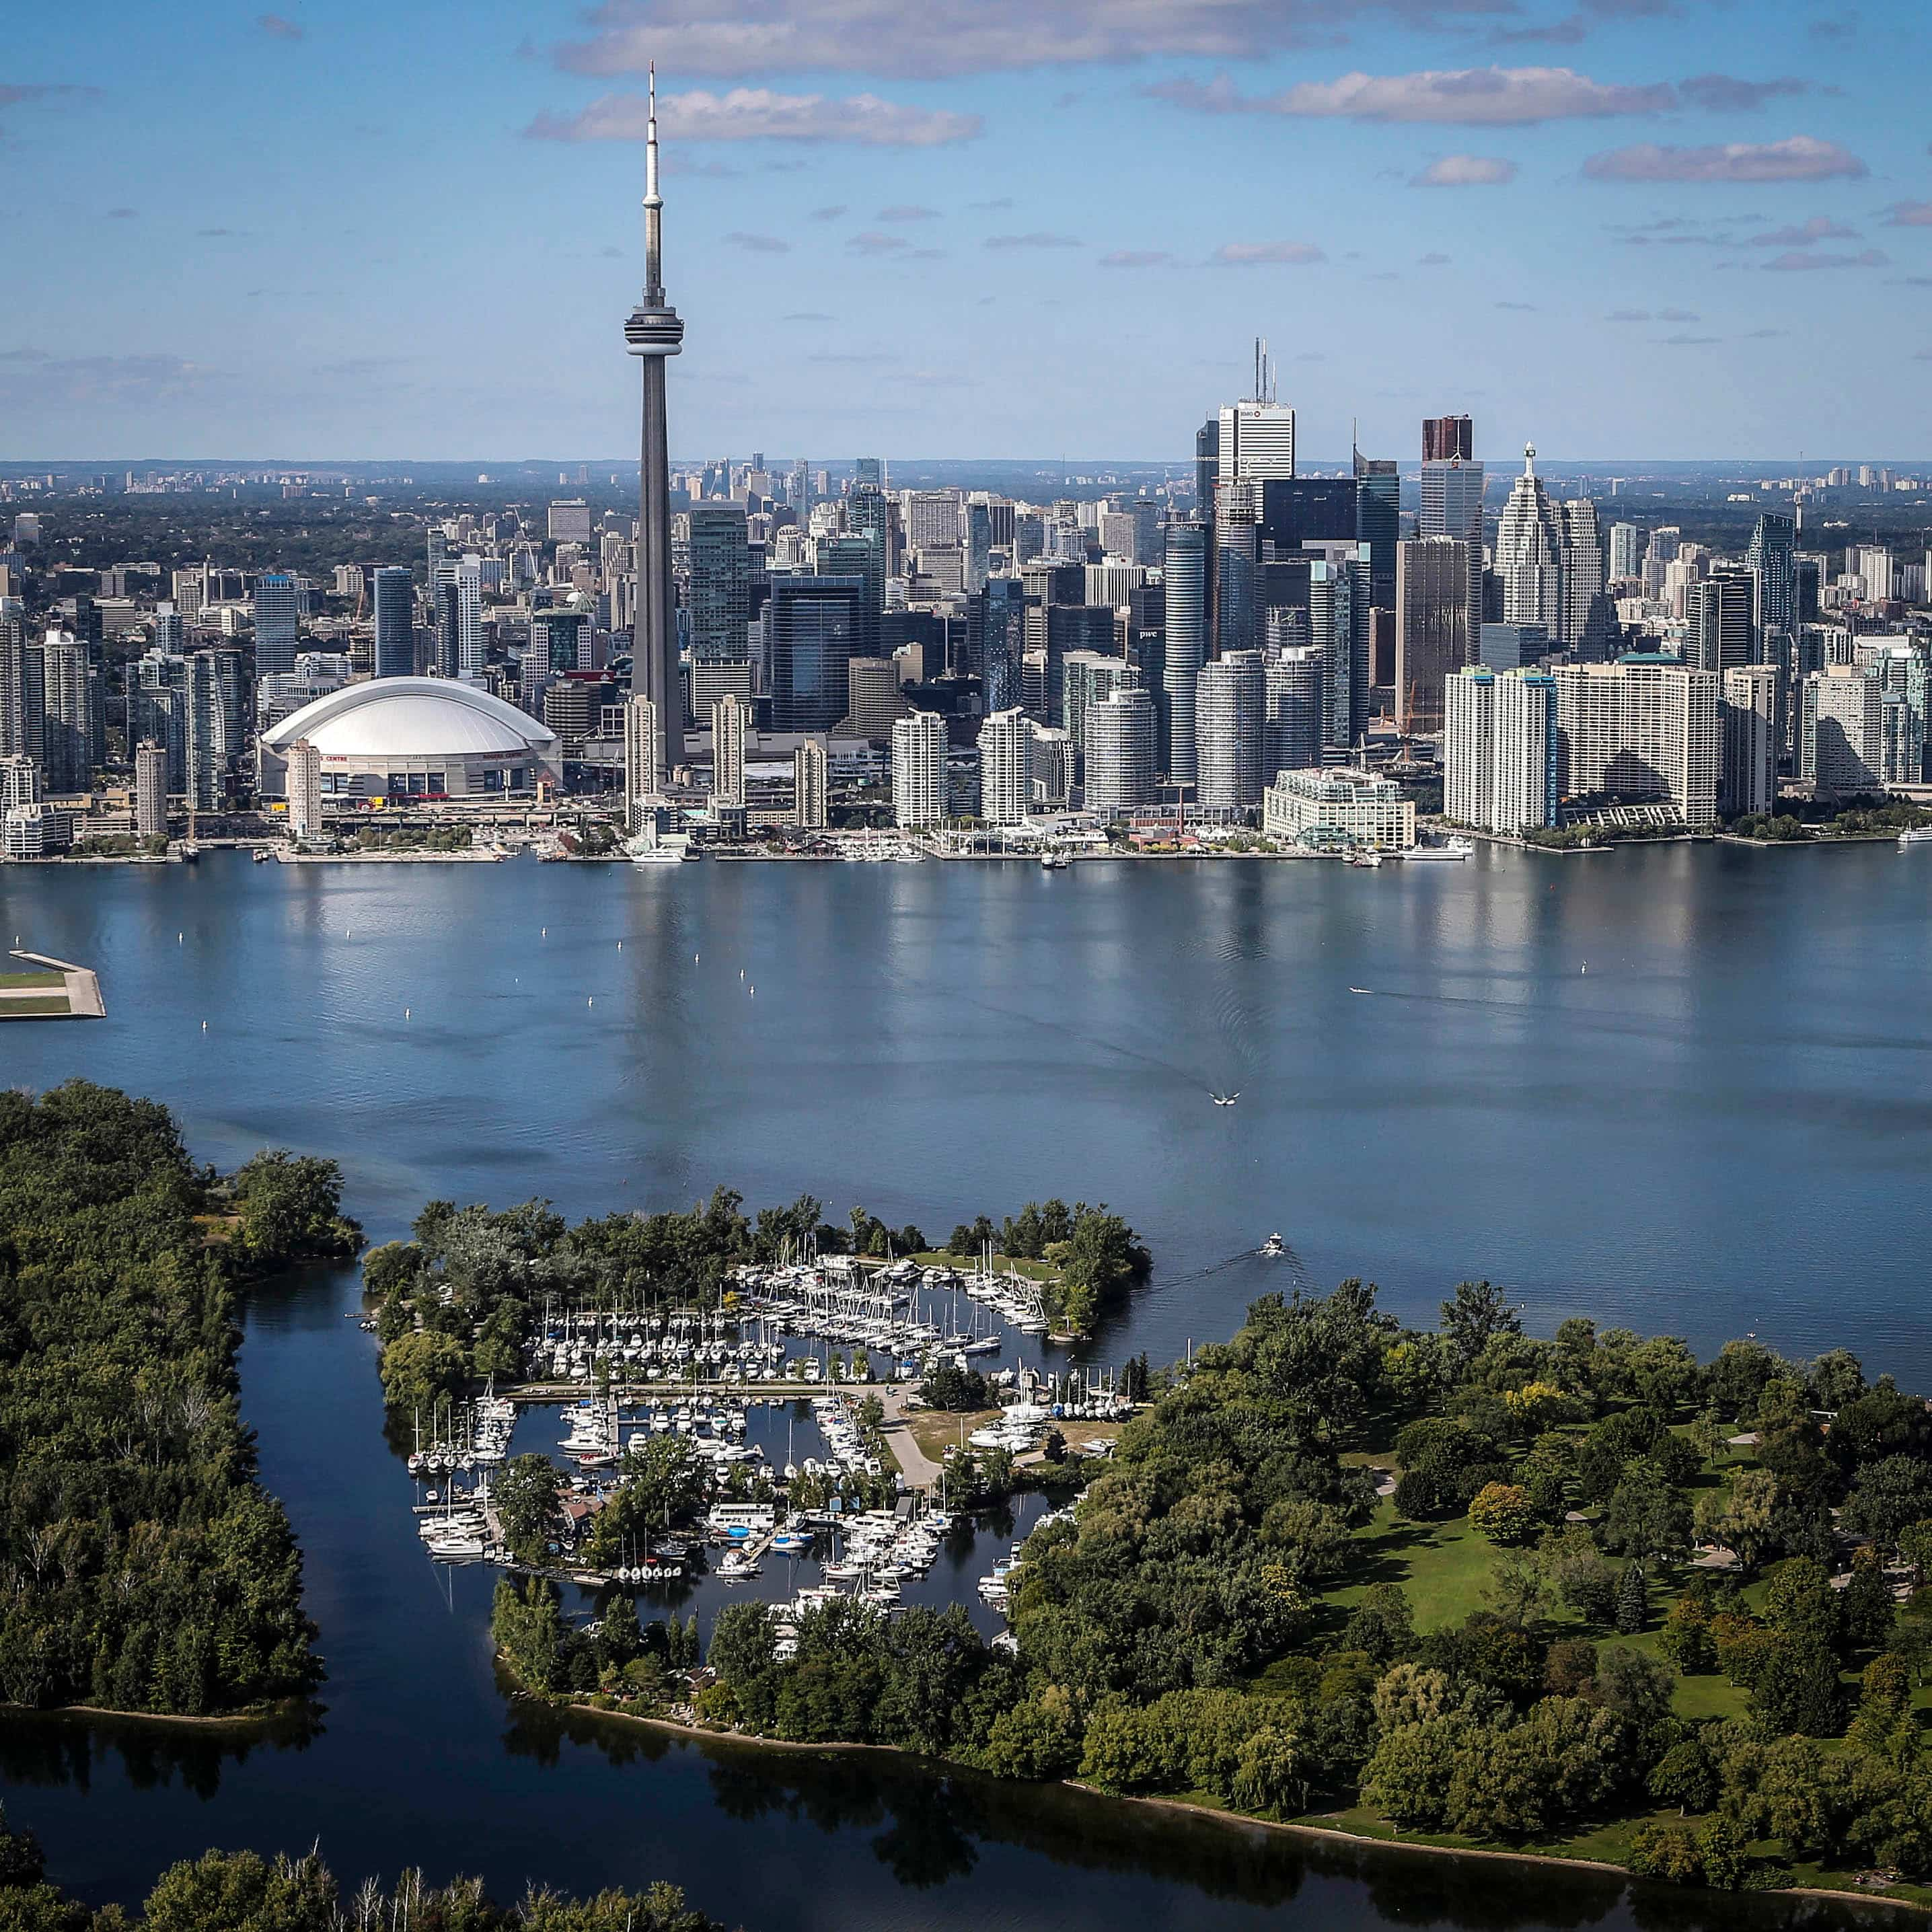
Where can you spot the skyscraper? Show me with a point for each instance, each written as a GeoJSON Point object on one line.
{"type": "Point", "coordinates": [1230, 706]}
{"type": "Point", "coordinates": [1626, 562]}
{"type": "Point", "coordinates": [1447, 440]}
{"type": "Point", "coordinates": [1085, 678]}
{"type": "Point", "coordinates": [1185, 559]}
{"type": "Point", "coordinates": [1120, 753]}
{"type": "Point", "coordinates": [1379, 523]}
{"type": "Point", "coordinates": [719, 599]}
{"type": "Point", "coordinates": [918, 769]}
{"type": "Point", "coordinates": [811, 633]}
{"type": "Point", "coordinates": [208, 746]}
{"type": "Point", "coordinates": [654, 332]}
{"type": "Point", "coordinates": [1452, 506]}
{"type": "Point", "coordinates": [996, 640]}
{"type": "Point", "coordinates": [1772, 561]}
{"type": "Point", "coordinates": [67, 749]}
{"type": "Point", "coordinates": [1721, 609]}
{"type": "Point", "coordinates": [1432, 628]}
{"type": "Point", "coordinates": [304, 791]}
{"type": "Point", "coordinates": [1529, 554]}
{"type": "Point", "coordinates": [1588, 622]}
{"type": "Point", "coordinates": [395, 599]}
{"type": "Point", "coordinates": [277, 627]}
{"type": "Point", "coordinates": [1642, 728]}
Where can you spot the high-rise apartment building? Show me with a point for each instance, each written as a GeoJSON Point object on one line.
{"type": "Point", "coordinates": [1006, 766]}
{"type": "Point", "coordinates": [68, 749]}
{"type": "Point", "coordinates": [1120, 753]}
{"type": "Point", "coordinates": [641, 745]}
{"type": "Point", "coordinates": [1291, 729]}
{"type": "Point", "coordinates": [1842, 733]}
{"type": "Point", "coordinates": [1642, 730]}
{"type": "Point", "coordinates": [1086, 677]}
{"type": "Point", "coordinates": [277, 609]}
{"type": "Point", "coordinates": [1184, 554]}
{"type": "Point", "coordinates": [1230, 712]}
{"type": "Point", "coordinates": [1747, 781]}
{"type": "Point", "coordinates": [394, 597]}
{"type": "Point", "coordinates": [1626, 558]}
{"type": "Point", "coordinates": [304, 791]}
{"type": "Point", "coordinates": [150, 790]}
{"type": "Point", "coordinates": [208, 735]}
{"type": "Point", "coordinates": [730, 717]}
{"type": "Point", "coordinates": [1432, 628]}
{"type": "Point", "coordinates": [918, 769]}
{"type": "Point", "coordinates": [22, 701]}
{"type": "Point", "coordinates": [1500, 749]}
{"type": "Point", "coordinates": [808, 787]}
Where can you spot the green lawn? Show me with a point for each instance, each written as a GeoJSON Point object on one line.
{"type": "Point", "coordinates": [9, 979]}
{"type": "Point", "coordinates": [1443, 1567]}
{"type": "Point", "coordinates": [52, 1006]}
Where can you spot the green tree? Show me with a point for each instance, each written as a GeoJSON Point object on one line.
{"type": "Point", "coordinates": [420, 1368]}
{"type": "Point", "coordinates": [1503, 1512]}
{"type": "Point", "coordinates": [241, 1891]}
{"type": "Point", "coordinates": [528, 1506]}
{"type": "Point", "coordinates": [1633, 1601]}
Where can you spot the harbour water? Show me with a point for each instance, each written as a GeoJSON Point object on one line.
{"type": "Point", "coordinates": [1680, 1089]}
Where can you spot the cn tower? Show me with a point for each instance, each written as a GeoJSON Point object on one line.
{"type": "Point", "coordinates": [653, 332]}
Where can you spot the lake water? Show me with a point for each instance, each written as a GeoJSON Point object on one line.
{"type": "Point", "coordinates": [1680, 1088]}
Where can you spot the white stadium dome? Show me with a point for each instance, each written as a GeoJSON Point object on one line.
{"type": "Point", "coordinates": [425, 737]}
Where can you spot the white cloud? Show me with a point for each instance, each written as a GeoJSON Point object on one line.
{"type": "Point", "coordinates": [1253, 254]}
{"type": "Point", "coordinates": [758, 114]}
{"type": "Point", "coordinates": [1867, 258]}
{"type": "Point", "coordinates": [1136, 258]}
{"type": "Point", "coordinates": [1466, 171]}
{"type": "Point", "coordinates": [1484, 97]}
{"type": "Point", "coordinates": [1798, 158]}
{"type": "Point", "coordinates": [732, 38]}
{"type": "Point", "coordinates": [1802, 234]}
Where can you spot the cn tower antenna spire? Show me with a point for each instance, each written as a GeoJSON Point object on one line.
{"type": "Point", "coordinates": [653, 201]}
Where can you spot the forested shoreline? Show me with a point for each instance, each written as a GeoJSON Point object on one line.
{"type": "Point", "coordinates": [241, 1892]}
{"type": "Point", "coordinates": [143, 1566]}
{"type": "Point", "coordinates": [459, 1301]}
{"type": "Point", "coordinates": [1579, 1596]}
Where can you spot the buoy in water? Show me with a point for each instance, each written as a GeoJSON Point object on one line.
{"type": "Point", "coordinates": [406, 1013]}
{"type": "Point", "coordinates": [204, 1026]}
{"type": "Point", "coordinates": [592, 1001]}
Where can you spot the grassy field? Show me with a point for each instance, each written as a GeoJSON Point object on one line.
{"type": "Point", "coordinates": [8, 980]}
{"type": "Point", "coordinates": [937, 1430]}
{"type": "Point", "coordinates": [52, 1006]}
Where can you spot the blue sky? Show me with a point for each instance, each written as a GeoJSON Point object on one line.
{"type": "Point", "coordinates": [997, 228]}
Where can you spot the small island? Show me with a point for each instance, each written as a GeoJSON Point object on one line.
{"type": "Point", "coordinates": [143, 1566]}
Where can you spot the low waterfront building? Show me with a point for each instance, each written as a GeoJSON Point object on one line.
{"type": "Point", "coordinates": [1343, 806]}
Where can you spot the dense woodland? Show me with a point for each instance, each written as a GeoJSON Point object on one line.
{"type": "Point", "coordinates": [1514, 1647]}
{"type": "Point", "coordinates": [142, 1565]}
{"type": "Point", "coordinates": [240, 1892]}
{"type": "Point", "coordinates": [458, 1300]}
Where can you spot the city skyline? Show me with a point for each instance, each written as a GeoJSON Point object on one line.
{"type": "Point", "coordinates": [1629, 233]}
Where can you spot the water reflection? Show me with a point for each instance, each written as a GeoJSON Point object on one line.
{"type": "Point", "coordinates": [51, 1748]}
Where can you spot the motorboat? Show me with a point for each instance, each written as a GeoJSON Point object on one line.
{"type": "Point", "coordinates": [1366, 858]}
{"type": "Point", "coordinates": [1054, 862]}
{"type": "Point", "coordinates": [1272, 1245]}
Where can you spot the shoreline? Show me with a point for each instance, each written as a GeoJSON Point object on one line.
{"type": "Point", "coordinates": [258, 1714]}
{"type": "Point", "coordinates": [1238, 1820]}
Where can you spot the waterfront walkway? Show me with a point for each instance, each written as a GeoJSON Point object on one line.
{"type": "Point", "coordinates": [74, 995]}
